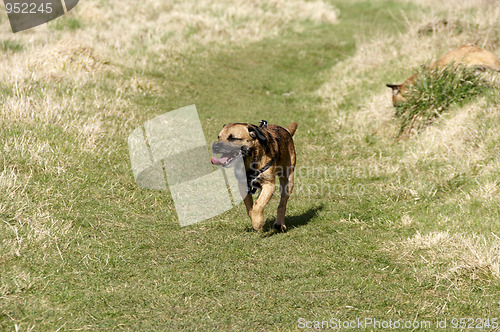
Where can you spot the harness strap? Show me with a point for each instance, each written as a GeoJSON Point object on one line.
{"type": "Point", "coordinates": [252, 184]}
{"type": "Point", "coordinates": [252, 175]}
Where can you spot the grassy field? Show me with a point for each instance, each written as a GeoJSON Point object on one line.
{"type": "Point", "coordinates": [379, 226]}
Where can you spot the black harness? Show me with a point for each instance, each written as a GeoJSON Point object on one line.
{"type": "Point", "coordinates": [252, 175]}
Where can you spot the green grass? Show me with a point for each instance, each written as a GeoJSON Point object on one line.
{"type": "Point", "coordinates": [435, 91]}
{"type": "Point", "coordinates": [66, 23]}
{"type": "Point", "coordinates": [84, 248]}
{"type": "Point", "coordinates": [10, 45]}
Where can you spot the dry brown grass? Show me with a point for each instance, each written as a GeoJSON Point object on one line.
{"type": "Point", "coordinates": [457, 135]}
{"type": "Point", "coordinates": [426, 38]}
{"type": "Point", "coordinates": [463, 140]}
{"type": "Point", "coordinates": [25, 223]}
{"type": "Point", "coordinates": [453, 258]}
{"type": "Point", "coordinates": [111, 30]}
{"type": "Point", "coordinates": [456, 5]}
{"type": "Point", "coordinates": [67, 59]}
{"type": "Point", "coordinates": [50, 87]}
{"type": "Point", "coordinates": [50, 59]}
{"type": "Point", "coordinates": [456, 138]}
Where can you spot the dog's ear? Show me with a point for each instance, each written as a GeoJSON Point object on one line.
{"type": "Point", "coordinates": [395, 88]}
{"type": "Point", "coordinates": [256, 132]}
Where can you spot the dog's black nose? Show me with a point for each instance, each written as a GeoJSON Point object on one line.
{"type": "Point", "coordinates": [216, 147]}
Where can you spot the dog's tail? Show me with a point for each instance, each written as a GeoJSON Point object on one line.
{"type": "Point", "coordinates": [292, 128]}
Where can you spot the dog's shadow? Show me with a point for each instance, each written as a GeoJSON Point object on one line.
{"type": "Point", "coordinates": [291, 221]}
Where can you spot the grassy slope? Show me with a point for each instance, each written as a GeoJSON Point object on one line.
{"type": "Point", "coordinates": [123, 261]}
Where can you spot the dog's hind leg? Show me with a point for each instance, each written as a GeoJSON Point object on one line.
{"type": "Point", "coordinates": [257, 212]}
{"type": "Point", "coordinates": [286, 186]}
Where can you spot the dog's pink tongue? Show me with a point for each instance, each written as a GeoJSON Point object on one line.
{"type": "Point", "coordinates": [217, 161]}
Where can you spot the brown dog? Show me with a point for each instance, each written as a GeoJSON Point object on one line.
{"type": "Point", "coordinates": [268, 151]}
{"type": "Point", "coordinates": [467, 55]}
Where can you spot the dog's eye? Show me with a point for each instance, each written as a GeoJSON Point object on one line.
{"type": "Point", "coordinates": [232, 139]}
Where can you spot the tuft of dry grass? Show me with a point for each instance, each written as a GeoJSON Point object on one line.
{"type": "Point", "coordinates": [15, 281]}
{"type": "Point", "coordinates": [407, 220]}
{"type": "Point", "coordinates": [455, 5]}
{"type": "Point", "coordinates": [206, 21]}
{"type": "Point", "coordinates": [66, 59]}
{"type": "Point", "coordinates": [25, 223]}
{"type": "Point", "coordinates": [453, 258]}
{"type": "Point", "coordinates": [28, 106]}
{"type": "Point", "coordinates": [456, 138]}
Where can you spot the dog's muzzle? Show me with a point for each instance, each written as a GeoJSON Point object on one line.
{"type": "Point", "coordinates": [228, 153]}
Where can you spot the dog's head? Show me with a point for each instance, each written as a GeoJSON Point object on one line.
{"type": "Point", "coordinates": [237, 139]}
{"type": "Point", "coordinates": [400, 90]}
{"type": "Point", "coordinates": [397, 93]}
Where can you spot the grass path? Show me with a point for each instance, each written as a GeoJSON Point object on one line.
{"type": "Point", "coordinates": [120, 259]}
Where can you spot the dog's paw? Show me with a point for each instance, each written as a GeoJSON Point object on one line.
{"type": "Point", "coordinates": [259, 229]}
{"type": "Point", "coordinates": [280, 228]}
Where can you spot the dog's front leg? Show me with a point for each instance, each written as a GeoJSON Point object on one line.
{"type": "Point", "coordinates": [247, 198]}
{"type": "Point", "coordinates": [257, 212]}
